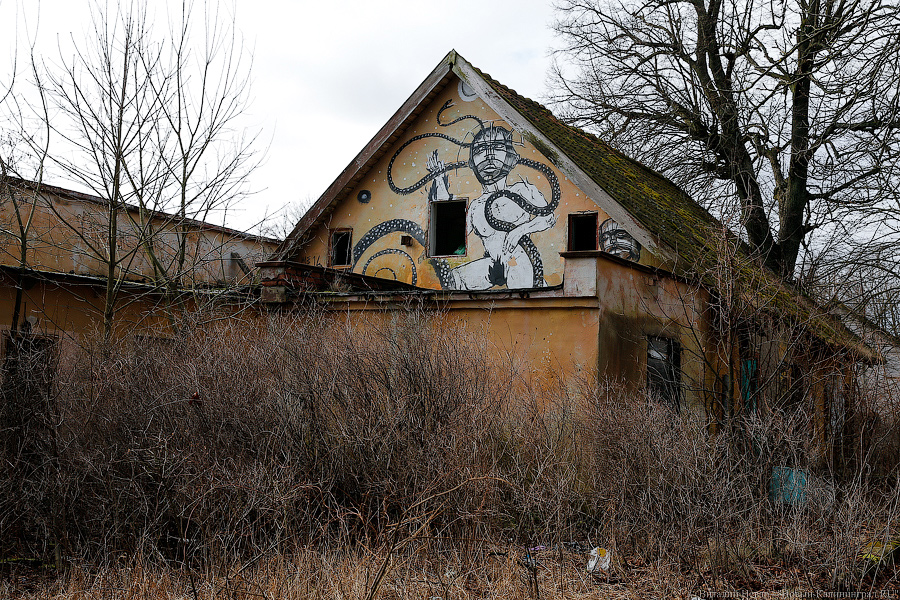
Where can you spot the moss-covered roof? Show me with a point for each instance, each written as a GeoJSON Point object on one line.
{"type": "Point", "coordinates": [691, 235]}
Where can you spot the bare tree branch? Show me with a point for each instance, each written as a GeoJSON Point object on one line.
{"type": "Point", "coordinates": [786, 111]}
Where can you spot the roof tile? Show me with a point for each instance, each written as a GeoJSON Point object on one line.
{"type": "Point", "coordinates": [682, 225]}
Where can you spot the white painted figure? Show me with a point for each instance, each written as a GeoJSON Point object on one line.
{"type": "Point", "coordinates": [506, 260]}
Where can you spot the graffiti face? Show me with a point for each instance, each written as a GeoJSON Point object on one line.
{"type": "Point", "coordinates": [504, 215]}
{"type": "Point", "coordinates": [615, 240]}
{"type": "Point", "coordinates": [492, 155]}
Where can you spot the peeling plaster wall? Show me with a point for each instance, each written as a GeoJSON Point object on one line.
{"type": "Point", "coordinates": [76, 310]}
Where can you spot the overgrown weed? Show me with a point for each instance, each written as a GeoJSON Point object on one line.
{"type": "Point", "coordinates": [406, 446]}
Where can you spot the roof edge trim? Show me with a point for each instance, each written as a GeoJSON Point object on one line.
{"type": "Point", "coordinates": [398, 121]}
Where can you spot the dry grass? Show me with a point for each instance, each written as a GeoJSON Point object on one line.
{"type": "Point", "coordinates": [350, 573]}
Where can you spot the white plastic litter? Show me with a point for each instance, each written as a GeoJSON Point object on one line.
{"type": "Point", "coordinates": [599, 560]}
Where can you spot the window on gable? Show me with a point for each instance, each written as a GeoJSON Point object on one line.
{"type": "Point", "coordinates": [664, 370]}
{"type": "Point", "coordinates": [341, 247]}
{"type": "Point", "coordinates": [583, 231]}
{"type": "Point", "coordinates": [448, 228]}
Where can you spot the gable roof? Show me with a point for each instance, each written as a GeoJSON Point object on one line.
{"type": "Point", "coordinates": [860, 324]}
{"type": "Point", "coordinates": [655, 211]}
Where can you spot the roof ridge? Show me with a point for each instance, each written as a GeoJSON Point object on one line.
{"type": "Point", "coordinates": [593, 137]}
{"type": "Point", "coordinates": [669, 213]}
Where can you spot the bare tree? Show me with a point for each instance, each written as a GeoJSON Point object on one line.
{"type": "Point", "coordinates": [16, 230]}
{"type": "Point", "coordinates": [203, 154]}
{"type": "Point", "coordinates": [789, 111]}
{"type": "Point", "coordinates": [18, 206]}
{"type": "Point", "coordinates": [281, 222]}
{"type": "Point", "coordinates": [147, 122]}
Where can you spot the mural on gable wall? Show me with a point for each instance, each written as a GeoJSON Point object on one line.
{"type": "Point", "coordinates": [503, 216]}
{"type": "Point", "coordinates": [508, 210]}
{"type": "Point", "coordinates": [501, 200]}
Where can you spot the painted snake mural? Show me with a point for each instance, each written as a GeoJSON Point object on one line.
{"type": "Point", "coordinates": [504, 216]}
{"type": "Point", "coordinates": [403, 226]}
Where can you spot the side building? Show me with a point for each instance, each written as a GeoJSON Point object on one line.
{"type": "Point", "coordinates": [58, 249]}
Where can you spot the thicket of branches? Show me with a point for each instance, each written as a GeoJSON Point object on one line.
{"type": "Point", "coordinates": [277, 435]}
{"type": "Point", "coordinates": [783, 117]}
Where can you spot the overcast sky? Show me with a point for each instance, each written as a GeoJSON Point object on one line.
{"type": "Point", "coordinates": [327, 75]}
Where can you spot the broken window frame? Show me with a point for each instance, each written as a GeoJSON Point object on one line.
{"type": "Point", "coordinates": [583, 216]}
{"type": "Point", "coordinates": [332, 248]}
{"type": "Point", "coordinates": [664, 376]}
{"type": "Point", "coordinates": [434, 223]}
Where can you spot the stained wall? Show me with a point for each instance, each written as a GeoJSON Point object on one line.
{"type": "Point", "coordinates": [69, 233]}
{"type": "Point", "coordinates": [67, 242]}
{"type": "Point", "coordinates": [596, 326]}
{"type": "Point", "coordinates": [67, 309]}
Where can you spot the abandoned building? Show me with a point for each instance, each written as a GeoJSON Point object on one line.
{"type": "Point", "coordinates": [562, 251]}
{"type": "Point", "coordinates": [473, 200]}
{"type": "Point", "coordinates": [55, 248]}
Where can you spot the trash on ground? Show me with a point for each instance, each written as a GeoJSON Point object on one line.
{"type": "Point", "coordinates": [879, 551]}
{"type": "Point", "coordinates": [599, 560]}
{"type": "Point", "coordinates": [530, 562]}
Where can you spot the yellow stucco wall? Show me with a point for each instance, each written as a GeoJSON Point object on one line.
{"type": "Point", "coordinates": [63, 291]}
{"type": "Point", "coordinates": [636, 305]}
{"type": "Point", "coordinates": [542, 340]}
{"type": "Point", "coordinates": [392, 200]}
{"type": "Point", "coordinates": [66, 235]}
{"type": "Point", "coordinates": [72, 309]}
{"type": "Point", "coordinates": [556, 335]}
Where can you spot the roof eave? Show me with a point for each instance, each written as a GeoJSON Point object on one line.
{"type": "Point", "coordinates": [67, 194]}
{"type": "Point", "coordinates": [373, 151]}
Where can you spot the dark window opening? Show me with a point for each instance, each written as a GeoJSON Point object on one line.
{"type": "Point", "coordinates": [749, 383]}
{"type": "Point", "coordinates": [664, 370]}
{"type": "Point", "coordinates": [836, 408]}
{"type": "Point", "coordinates": [794, 387]}
{"type": "Point", "coordinates": [725, 397]}
{"type": "Point", "coordinates": [448, 228]}
{"type": "Point", "coordinates": [583, 232]}
{"type": "Point", "coordinates": [28, 370]}
{"type": "Point", "coordinates": [793, 399]}
{"type": "Point", "coordinates": [340, 247]}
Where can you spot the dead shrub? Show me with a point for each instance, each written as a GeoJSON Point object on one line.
{"type": "Point", "coordinates": [246, 435]}
{"type": "Point", "coordinates": [269, 435]}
